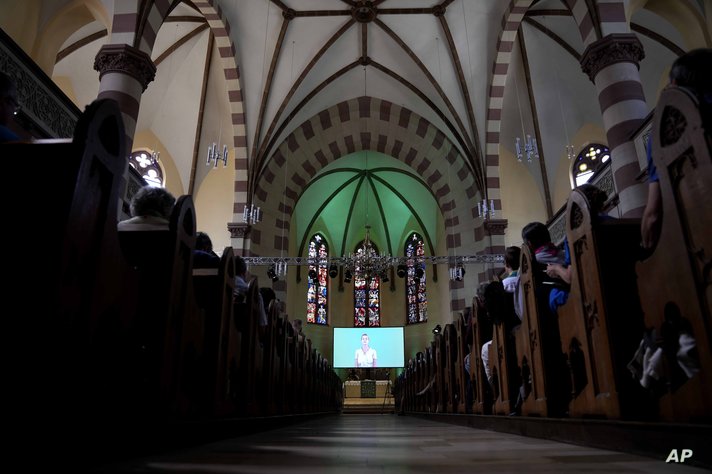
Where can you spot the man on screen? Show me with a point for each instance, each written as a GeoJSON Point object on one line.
{"type": "Point", "coordinates": [365, 356]}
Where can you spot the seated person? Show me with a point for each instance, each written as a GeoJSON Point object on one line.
{"type": "Point", "coordinates": [268, 295]}
{"type": "Point", "coordinates": [558, 296]}
{"type": "Point", "coordinates": [692, 71]}
{"type": "Point", "coordinates": [150, 209]}
{"type": "Point", "coordinates": [241, 288]}
{"type": "Point", "coordinates": [203, 255]}
{"type": "Point", "coordinates": [297, 325]}
{"type": "Point", "coordinates": [536, 236]}
{"type": "Point", "coordinates": [511, 265]}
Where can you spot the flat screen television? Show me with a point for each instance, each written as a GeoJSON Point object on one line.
{"type": "Point", "coordinates": [384, 347]}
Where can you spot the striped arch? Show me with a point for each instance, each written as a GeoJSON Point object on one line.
{"type": "Point", "coordinates": [137, 23]}
{"type": "Point", "coordinates": [139, 28]}
{"type": "Point", "coordinates": [367, 123]}
{"type": "Point", "coordinates": [511, 20]}
{"type": "Point", "coordinates": [596, 21]}
{"type": "Point", "coordinates": [220, 28]}
{"type": "Point", "coordinates": [608, 18]}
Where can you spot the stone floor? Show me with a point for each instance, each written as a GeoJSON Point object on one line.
{"type": "Point", "coordinates": [390, 444]}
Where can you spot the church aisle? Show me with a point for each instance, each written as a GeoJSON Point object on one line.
{"type": "Point", "coordinates": [390, 444]}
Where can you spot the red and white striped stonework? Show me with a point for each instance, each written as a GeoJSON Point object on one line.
{"type": "Point", "coordinates": [511, 20]}
{"type": "Point", "coordinates": [367, 123]}
{"type": "Point", "coordinates": [611, 60]}
{"type": "Point", "coordinates": [139, 28]}
{"type": "Point", "coordinates": [124, 63]}
{"type": "Point", "coordinates": [620, 92]}
{"type": "Point", "coordinates": [220, 28]}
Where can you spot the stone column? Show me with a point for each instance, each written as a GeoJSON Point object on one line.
{"type": "Point", "coordinates": [239, 234]}
{"type": "Point", "coordinates": [612, 64]}
{"type": "Point", "coordinates": [124, 73]}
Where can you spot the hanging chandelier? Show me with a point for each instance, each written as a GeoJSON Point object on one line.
{"type": "Point", "coordinates": [367, 261]}
{"type": "Point", "coordinates": [215, 156]}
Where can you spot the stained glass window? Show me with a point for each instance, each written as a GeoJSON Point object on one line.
{"type": "Point", "coordinates": [318, 281]}
{"type": "Point", "coordinates": [146, 163]}
{"type": "Point", "coordinates": [367, 296]}
{"type": "Point", "coordinates": [588, 161]}
{"type": "Point", "coordinates": [416, 297]}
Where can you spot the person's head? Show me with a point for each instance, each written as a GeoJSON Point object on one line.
{"type": "Point", "coordinates": [535, 234]}
{"type": "Point", "coordinates": [240, 266]}
{"type": "Point", "coordinates": [511, 258]}
{"type": "Point", "coordinates": [595, 196]}
{"type": "Point", "coordinates": [8, 99]}
{"type": "Point", "coordinates": [203, 242]}
{"type": "Point", "coordinates": [152, 201]}
{"type": "Point", "coordinates": [694, 71]}
{"type": "Point", "coordinates": [497, 302]}
{"type": "Point", "coordinates": [297, 325]}
{"type": "Point", "coordinates": [364, 339]}
{"type": "Point", "coordinates": [268, 295]}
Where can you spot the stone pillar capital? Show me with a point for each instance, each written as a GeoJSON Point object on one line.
{"type": "Point", "coordinates": [238, 230]}
{"type": "Point", "coordinates": [127, 60]}
{"type": "Point", "coordinates": [496, 226]}
{"type": "Point", "coordinates": [612, 49]}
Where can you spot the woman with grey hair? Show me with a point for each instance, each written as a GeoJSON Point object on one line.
{"type": "Point", "coordinates": [151, 209]}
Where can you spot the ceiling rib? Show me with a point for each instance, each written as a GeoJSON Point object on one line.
{"type": "Point", "coordinates": [313, 13]}
{"type": "Point", "coordinates": [406, 11]}
{"type": "Point", "coordinates": [364, 41]}
{"type": "Point", "coordinates": [268, 84]}
{"type": "Point", "coordinates": [185, 19]}
{"type": "Point", "coordinates": [79, 44]}
{"type": "Point", "coordinates": [180, 43]}
{"type": "Point", "coordinates": [347, 226]}
{"type": "Point", "coordinates": [293, 89]}
{"type": "Point", "coordinates": [427, 100]}
{"type": "Point", "coordinates": [359, 172]}
{"type": "Point", "coordinates": [412, 211]}
{"type": "Point", "coordinates": [264, 154]}
{"type": "Point", "coordinates": [535, 119]}
{"type": "Point", "coordinates": [201, 111]}
{"type": "Point", "coordinates": [326, 202]}
{"type": "Point", "coordinates": [557, 39]}
{"type": "Point", "coordinates": [463, 87]}
{"type": "Point", "coordinates": [657, 37]}
{"type": "Point", "coordinates": [431, 79]}
{"type": "Point", "coordinates": [384, 221]}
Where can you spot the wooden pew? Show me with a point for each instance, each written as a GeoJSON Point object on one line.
{"type": "Point", "coordinates": [482, 327]}
{"type": "Point", "coordinates": [214, 288]}
{"type": "Point", "coordinates": [168, 324]}
{"type": "Point", "coordinates": [674, 282]}
{"type": "Point", "coordinates": [503, 361]}
{"type": "Point", "coordinates": [451, 369]}
{"type": "Point", "coordinates": [601, 322]}
{"type": "Point", "coordinates": [252, 356]}
{"type": "Point", "coordinates": [538, 349]}
{"type": "Point", "coordinates": [69, 282]}
{"type": "Point", "coordinates": [432, 376]}
{"type": "Point", "coordinates": [439, 367]}
{"type": "Point", "coordinates": [460, 375]}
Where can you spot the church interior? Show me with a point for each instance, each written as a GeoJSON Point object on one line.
{"type": "Point", "coordinates": [372, 162]}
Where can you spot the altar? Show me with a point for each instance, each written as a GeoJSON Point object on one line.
{"type": "Point", "coordinates": [366, 388]}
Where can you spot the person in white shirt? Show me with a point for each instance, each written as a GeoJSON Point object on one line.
{"type": "Point", "coordinates": [365, 356]}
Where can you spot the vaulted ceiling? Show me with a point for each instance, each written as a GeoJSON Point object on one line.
{"type": "Point", "coordinates": [297, 58]}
